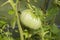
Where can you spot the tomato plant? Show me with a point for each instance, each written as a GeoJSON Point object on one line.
{"type": "Point", "coordinates": [29, 20]}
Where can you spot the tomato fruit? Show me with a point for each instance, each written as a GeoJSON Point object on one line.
{"type": "Point", "coordinates": [30, 20]}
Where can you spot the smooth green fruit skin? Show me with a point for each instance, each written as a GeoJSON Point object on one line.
{"type": "Point", "coordinates": [30, 20]}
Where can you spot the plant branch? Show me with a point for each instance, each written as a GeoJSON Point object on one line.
{"type": "Point", "coordinates": [18, 21]}
{"type": "Point", "coordinates": [4, 3]}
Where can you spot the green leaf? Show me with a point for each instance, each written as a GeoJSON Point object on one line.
{"type": "Point", "coordinates": [54, 29]}
{"type": "Point", "coordinates": [51, 13]}
{"type": "Point", "coordinates": [2, 22]}
{"type": "Point", "coordinates": [11, 12]}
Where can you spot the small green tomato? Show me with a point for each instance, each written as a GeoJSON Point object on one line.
{"type": "Point", "coordinates": [30, 20]}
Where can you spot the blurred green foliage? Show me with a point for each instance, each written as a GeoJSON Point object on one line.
{"type": "Point", "coordinates": [49, 30]}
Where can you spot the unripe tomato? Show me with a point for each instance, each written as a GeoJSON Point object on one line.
{"type": "Point", "coordinates": [30, 20]}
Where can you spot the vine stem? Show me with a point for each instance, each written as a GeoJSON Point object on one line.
{"type": "Point", "coordinates": [28, 4]}
{"type": "Point", "coordinates": [19, 26]}
{"type": "Point", "coordinates": [42, 33]}
{"type": "Point", "coordinates": [18, 21]}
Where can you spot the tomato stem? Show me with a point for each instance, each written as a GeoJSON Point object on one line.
{"type": "Point", "coordinates": [18, 21]}
{"type": "Point", "coordinates": [28, 3]}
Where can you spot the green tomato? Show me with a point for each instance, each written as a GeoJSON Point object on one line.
{"type": "Point", "coordinates": [30, 20]}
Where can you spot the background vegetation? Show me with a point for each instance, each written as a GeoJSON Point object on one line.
{"type": "Point", "coordinates": [12, 29]}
